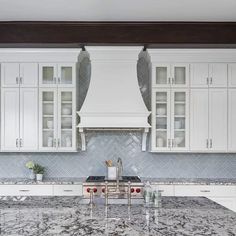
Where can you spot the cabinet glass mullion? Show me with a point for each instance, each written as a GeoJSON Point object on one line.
{"type": "Point", "coordinates": [48, 119]}
{"type": "Point", "coordinates": [179, 119]}
{"type": "Point", "coordinates": [65, 118]}
{"type": "Point", "coordinates": [161, 120]}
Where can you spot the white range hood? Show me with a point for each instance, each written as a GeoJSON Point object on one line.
{"type": "Point", "coordinates": [114, 100]}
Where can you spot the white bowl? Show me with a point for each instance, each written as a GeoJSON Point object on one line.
{"type": "Point", "coordinates": [178, 140]}
{"type": "Point", "coordinates": [66, 111]}
{"type": "Point", "coordinates": [161, 111]}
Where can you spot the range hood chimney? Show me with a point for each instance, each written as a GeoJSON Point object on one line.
{"type": "Point", "coordinates": [114, 100]}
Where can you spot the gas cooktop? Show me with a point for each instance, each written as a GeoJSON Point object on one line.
{"type": "Point", "coordinates": [98, 179]}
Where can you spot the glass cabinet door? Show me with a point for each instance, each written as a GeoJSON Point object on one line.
{"type": "Point", "coordinates": [161, 139]}
{"type": "Point", "coordinates": [162, 75]}
{"type": "Point", "coordinates": [66, 119]}
{"type": "Point", "coordinates": [180, 75]}
{"type": "Point", "coordinates": [48, 125]}
{"type": "Point", "coordinates": [48, 75]}
{"type": "Point", "coordinates": [66, 75]}
{"type": "Point", "coordinates": [179, 119]}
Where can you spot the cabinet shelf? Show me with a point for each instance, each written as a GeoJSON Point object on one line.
{"type": "Point", "coordinates": [48, 130]}
{"type": "Point", "coordinates": [161, 116]}
{"type": "Point", "coordinates": [161, 129]}
{"type": "Point", "coordinates": [179, 116]}
{"type": "Point", "coordinates": [66, 102]}
{"type": "Point", "coordinates": [48, 102]}
{"type": "Point", "coordinates": [66, 116]}
{"type": "Point", "coordinates": [48, 116]}
{"type": "Point", "coordinates": [176, 102]}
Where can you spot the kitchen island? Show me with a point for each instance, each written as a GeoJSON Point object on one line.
{"type": "Point", "coordinates": [67, 216]}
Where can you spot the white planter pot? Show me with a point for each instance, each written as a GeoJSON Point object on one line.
{"type": "Point", "coordinates": [31, 174]}
{"type": "Point", "coordinates": [39, 177]}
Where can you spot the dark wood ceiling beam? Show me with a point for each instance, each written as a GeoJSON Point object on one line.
{"type": "Point", "coordinates": [118, 33]}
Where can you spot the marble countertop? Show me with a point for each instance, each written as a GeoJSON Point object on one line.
{"type": "Point", "coordinates": [203, 181]}
{"type": "Point", "coordinates": [45, 181]}
{"type": "Point", "coordinates": [196, 181]}
{"type": "Point", "coordinates": [35, 216]}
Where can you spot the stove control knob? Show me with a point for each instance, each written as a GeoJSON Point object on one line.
{"type": "Point", "coordinates": [88, 190]}
{"type": "Point", "coordinates": [103, 190]}
{"type": "Point", "coordinates": [138, 190]}
{"type": "Point", "coordinates": [132, 190]}
{"type": "Point", "coordinates": [95, 190]}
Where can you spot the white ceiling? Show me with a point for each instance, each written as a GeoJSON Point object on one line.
{"type": "Point", "coordinates": [118, 10]}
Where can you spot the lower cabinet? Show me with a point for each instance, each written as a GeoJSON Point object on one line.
{"type": "Point", "coordinates": [166, 190]}
{"type": "Point", "coordinates": [26, 190]}
{"type": "Point", "coordinates": [68, 190]}
{"type": "Point", "coordinates": [41, 190]}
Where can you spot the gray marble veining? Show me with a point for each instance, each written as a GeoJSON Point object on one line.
{"type": "Point", "coordinates": [202, 181]}
{"type": "Point", "coordinates": [66, 216]}
{"type": "Point", "coordinates": [45, 181]}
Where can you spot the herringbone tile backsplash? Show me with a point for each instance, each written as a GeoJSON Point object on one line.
{"type": "Point", "coordinates": [127, 145]}
{"type": "Point", "coordinates": [111, 145]}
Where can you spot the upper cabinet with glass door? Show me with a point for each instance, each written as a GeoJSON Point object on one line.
{"type": "Point", "coordinates": [57, 75]}
{"type": "Point", "coordinates": [171, 75]}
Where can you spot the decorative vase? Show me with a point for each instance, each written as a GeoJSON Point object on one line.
{"type": "Point", "coordinates": [31, 174]}
{"type": "Point", "coordinates": [39, 177]}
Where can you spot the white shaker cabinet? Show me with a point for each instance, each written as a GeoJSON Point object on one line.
{"type": "Point", "coordinates": [28, 119]}
{"type": "Point", "coordinates": [204, 75]}
{"type": "Point", "coordinates": [232, 75]}
{"type": "Point", "coordinates": [57, 75]}
{"type": "Point", "coordinates": [171, 75]}
{"type": "Point", "coordinates": [232, 120]}
{"type": "Point", "coordinates": [19, 116]}
{"type": "Point", "coordinates": [199, 119]}
{"type": "Point", "coordinates": [57, 119]}
{"type": "Point", "coordinates": [19, 74]}
{"type": "Point", "coordinates": [10, 113]}
{"type": "Point", "coordinates": [208, 120]}
{"type": "Point", "coordinates": [218, 120]}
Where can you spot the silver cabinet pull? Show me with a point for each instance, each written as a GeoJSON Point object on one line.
{"type": "Point", "coordinates": [24, 190]}
{"type": "Point", "coordinates": [17, 80]}
{"type": "Point", "coordinates": [68, 190]}
{"type": "Point", "coordinates": [207, 143]}
{"type": "Point", "coordinates": [21, 142]}
{"type": "Point", "coordinates": [173, 142]}
{"type": "Point", "coordinates": [210, 143]}
{"type": "Point", "coordinates": [58, 143]}
{"type": "Point", "coordinates": [205, 191]}
{"type": "Point", "coordinates": [17, 144]}
{"type": "Point", "coordinates": [169, 80]}
{"type": "Point", "coordinates": [211, 80]}
{"type": "Point", "coordinates": [173, 81]}
{"type": "Point", "coordinates": [55, 80]}
{"type": "Point", "coordinates": [21, 80]}
{"type": "Point", "coordinates": [169, 143]}
{"type": "Point", "coordinates": [59, 80]}
{"type": "Point", "coordinates": [207, 80]}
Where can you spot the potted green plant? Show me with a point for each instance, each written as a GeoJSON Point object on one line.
{"type": "Point", "coordinates": [39, 171]}
{"type": "Point", "coordinates": [30, 166]}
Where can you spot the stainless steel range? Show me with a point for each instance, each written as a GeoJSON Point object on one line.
{"type": "Point", "coordinates": [126, 187]}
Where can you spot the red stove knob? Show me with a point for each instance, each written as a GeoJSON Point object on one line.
{"type": "Point", "coordinates": [132, 190]}
{"type": "Point", "coordinates": [138, 190]}
{"type": "Point", "coordinates": [103, 190]}
{"type": "Point", "coordinates": [95, 190]}
{"type": "Point", "coordinates": [88, 190]}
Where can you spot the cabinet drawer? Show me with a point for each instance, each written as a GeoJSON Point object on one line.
{"type": "Point", "coordinates": [68, 190]}
{"type": "Point", "coordinates": [26, 190]}
{"type": "Point", "coordinates": [166, 190]}
{"type": "Point", "coordinates": [205, 190]}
